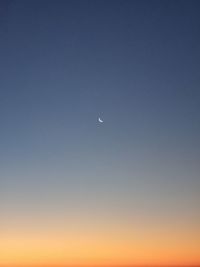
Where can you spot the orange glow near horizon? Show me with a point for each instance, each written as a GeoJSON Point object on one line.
{"type": "Point", "coordinates": [19, 249]}
{"type": "Point", "coordinates": [80, 191]}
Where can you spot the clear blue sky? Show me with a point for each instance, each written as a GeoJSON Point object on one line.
{"type": "Point", "coordinates": [136, 65]}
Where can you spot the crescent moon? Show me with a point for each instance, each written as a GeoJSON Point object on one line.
{"type": "Point", "coordinates": [100, 120]}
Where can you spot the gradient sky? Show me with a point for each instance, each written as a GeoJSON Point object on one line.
{"type": "Point", "coordinates": [76, 191]}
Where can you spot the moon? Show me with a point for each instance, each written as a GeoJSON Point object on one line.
{"type": "Point", "coordinates": [100, 120]}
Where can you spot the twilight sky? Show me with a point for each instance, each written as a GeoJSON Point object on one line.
{"type": "Point", "coordinates": [76, 191]}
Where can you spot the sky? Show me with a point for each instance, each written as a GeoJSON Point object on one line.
{"type": "Point", "coordinates": [74, 191]}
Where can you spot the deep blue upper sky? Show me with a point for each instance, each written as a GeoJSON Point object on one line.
{"type": "Point", "coordinates": [133, 63]}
